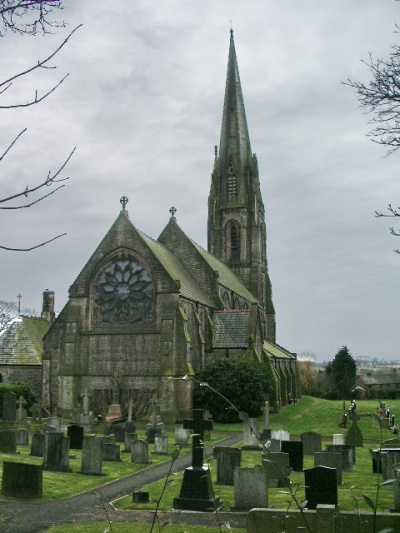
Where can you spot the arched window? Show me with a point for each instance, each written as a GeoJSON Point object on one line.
{"type": "Point", "coordinates": [234, 238]}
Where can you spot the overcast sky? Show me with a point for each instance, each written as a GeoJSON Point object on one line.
{"type": "Point", "coordinates": [143, 106]}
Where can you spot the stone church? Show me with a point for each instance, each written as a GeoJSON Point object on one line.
{"type": "Point", "coordinates": [143, 313]}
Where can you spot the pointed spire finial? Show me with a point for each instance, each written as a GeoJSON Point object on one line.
{"type": "Point", "coordinates": [172, 211]}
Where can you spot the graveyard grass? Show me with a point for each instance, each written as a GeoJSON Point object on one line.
{"type": "Point", "coordinates": [309, 414]}
{"type": "Point", "coordinates": [99, 527]}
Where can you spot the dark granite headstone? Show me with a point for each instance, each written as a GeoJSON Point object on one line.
{"type": "Point", "coordinates": [227, 460]}
{"type": "Point", "coordinates": [295, 451]}
{"type": "Point", "coordinates": [22, 480]}
{"type": "Point", "coordinates": [320, 486]}
{"type": "Point", "coordinates": [111, 452]}
{"type": "Point", "coordinates": [9, 407]}
{"type": "Point", "coordinates": [312, 442]}
{"type": "Point", "coordinates": [75, 434]}
{"type": "Point", "coordinates": [37, 444]}
{"type": "Point", "coordinates": [56, 452]}
{"type": "Point", "coordinates": [8, 441]}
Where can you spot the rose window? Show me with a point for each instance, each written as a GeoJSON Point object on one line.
{"type": "Point", "coordinates": [123, 293]}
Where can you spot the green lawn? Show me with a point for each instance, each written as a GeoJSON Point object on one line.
{"type": "Point", "coordinates": [102, 527]}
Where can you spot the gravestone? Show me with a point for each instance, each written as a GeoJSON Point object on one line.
{"type": "Point", "coordinates": [277, 469]}
{"type": "Point", "coordinates": [130, 438]}
{"type": "Point", "coordinates": [332, 460]}
{"type": "Point", "coordinates": [161, 445]}
{"type": "Point", "coordinates": [9, 407]}
{"type": "Point", "coordinates": [320, 486]}
{"type": "Point", "coordinates": [266, 432]}
{"type": "Point", "coordinates": [295, 451]}
{"type": "Point", "coordinates": [55, 422]}
{"type": "Point", "coordinates": [354, 436]}
{"type": "Point", "coordinates": [396, 498]}
{"type": "Point", "coordinates": [56, 452]}
{"type": "Point", "coordinates": [312, 442]}
{"type": "Point", "coordinates": [390, 462]}
{"type": "Point", "coordinates": [251, 435]}
{"type": "Point", "coordinates": [119, 432]}
{"type": "Point", "coordinates": [37, 444]}
{"type": "Point", "coordinates": [338, 438]}
{"type": "Point", "coordinates": [140, 452]}
{"type": "Point", "coordinates": [85, 419]}
{"type": "Point", "coordinates": [129, 425]}
{"type": "Point", "coordinates": [114, 411]}
{"type": "Point", "coordinates": [280, 434]}
{"type": "Point", "coordinates": [273, 445]}
{"type": "Point", "coordinates": [155, 426]}
{"type": "Point", "coordinates": [197, 492]}
{"type": "Point", "coordinates": [8, 441]}
{"type": "Point", "coordinates": [250, 488]}
{"type": "Point", "coordinates": [348, 455]}
{"type": "Point", "coordinates": [22, 416]}
{"type": "Point", "coordinates": [111, 452]}
{"type": "Point", "coordinates": [227, 460]}
{"type": "Point", "coordinates": [182, 436]}
{"type": "Point", "coordinates": [22, 437]}
{"type": "Point", "coordinates": [49, 429]}
{"type": "Point", "coordinates": [92, 457]}
{"type": "Point", "coordinates": [22, 480]}
{"type": "Point", "coordinates": [75, 434]}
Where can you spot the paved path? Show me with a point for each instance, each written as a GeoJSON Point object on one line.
{"type": "Point", "coordinates": [16, 517]}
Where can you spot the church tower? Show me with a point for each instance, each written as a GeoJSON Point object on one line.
{"type": "Point", "coordinates": [236, 214]}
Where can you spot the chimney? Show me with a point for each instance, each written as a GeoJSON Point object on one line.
{"type": "Point", "coordinates": [48, 306]}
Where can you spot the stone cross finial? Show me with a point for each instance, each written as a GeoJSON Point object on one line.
{"type": "Point", "coordinates": [124, 200]}
{"type": "Point", "coordinates": [198, 425]}
{"type": "Point", "coordinates": [172, 211]}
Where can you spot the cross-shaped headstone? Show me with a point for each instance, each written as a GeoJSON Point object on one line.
{"type": "Point", "coordinates": [198, 425]}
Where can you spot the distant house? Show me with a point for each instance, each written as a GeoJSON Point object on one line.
{"type": "Point", "coordinates": [371, 381]}
{"type": "Point", "coordinates": [21, 347]}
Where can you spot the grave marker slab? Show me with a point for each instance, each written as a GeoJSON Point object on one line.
{"type": "Point", "coordinates": [277, 469]}
{"type": "Point", "coordinates": [56, 452]}
{"type": "Point", "coordinates": [92, 457]}
{"type": "Point", "coordinates": [312, 442]}
{"type": "Point", "coordinates": [320, 486]}
{"type": "Point", "coordinates": [75, 434]}
{"type": "Point", "coordinates": [140, 452]}
{"type": "Point", "coordinates": [8, 441]}
{"type": "Point", "coordinates": [332, 460]}
{"type": "Point", "coordinates": [22, 437]}
{"type": "Point", "coordinates": [161, 445]}
{"type": "Point", "coordinates": [228, 459]}
{"type": "Point", "coordinates": [295, 451]}
{"type": "Point", "coordinates": [37, 445]}
{"type": "Point", "coordinates": [182, 436]}
{"type": "Point", "coordinates": [251, 434]}
{"type": "Point", "coordinates": [250, 488]}
{"type": "Point", "coordinates": [130, 438]}
{"type": "Point", "coordinates": [22, 480]}
{"type": "Point", "coordinates": [111, 452]}
{"type": "Point", "coordinates": [9, 407]}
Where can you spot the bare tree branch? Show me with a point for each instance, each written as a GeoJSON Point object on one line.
{"type": "Point", "coordinates": [8, 313]}
{"type": "Point", "coordinates": [29, 16]}
{"type": "Point", "coordinates": [32, 247]}
{"type": "Point", "coordinates": [12, 144]}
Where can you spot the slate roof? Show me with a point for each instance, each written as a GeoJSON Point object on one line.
{"type": "Point", "coordinates": [227, 277]}
{"type": "Point", "coordinates": [21, 343]}
{"type": "Point", "coordinates": [189, 288]}
{"type": "Point", "coordinates": [231, 329]}
{"type": "Point", "coordinates": [380, 379]}
{"type": "Point", "coordinates": [275, 350]}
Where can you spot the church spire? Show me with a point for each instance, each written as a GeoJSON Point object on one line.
{"type": "Point", "coordinates": [235, 140]}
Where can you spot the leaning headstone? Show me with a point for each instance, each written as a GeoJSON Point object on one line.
{"type": "Point", "coordinates": [9, 407]}
{"type": "Point", "coordinates": [295, 451]}
{"type": "Point", "coordinates": [37, 444]}
{"type": "Point", "coordinates": [182, 436]}
{"type": "Point", "coordinates": [75, 434]}
{"type": "Point", "coordinates": [140, 452]}
{"type": "Point", "coordinates": [354, 436]}
{"type": "Point", "coordinates": [161, 445]}
{"type": "Point", "coordinates": [228, 459]}
{"type": "Point", "coordinates": [250, 488]}
{"type": "Point", "coordinates": [56, 452]}
{"type": "Point", "coordinates": [130, 438]}
{"type": "Point", "coordinates": [312, 442]}
{"type": "Point", "coordinates": [277, 469]}
{"type": "Point", "coordinates": [8, 441]}
{"type": "Point", "coordinates": [320, 486]}
{"type": "Point", "coordinates": [332, 460]}
{"type": "Point", "coordinates": [22, 437]}
{"type": "Point", "coordinates": [22, 480]}
{"type": "Point", "coordinates": [92, 458]}
{"type": "Point", "coordinates": [251, 435]}
{"type": "Point", "coordinates": [111, 452]}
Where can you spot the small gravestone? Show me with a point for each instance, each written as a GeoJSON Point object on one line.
{"type": "Point", "coordinates": [56, 452]}
{"type": "Point", "coordinates": [197, 492]}
{"type": "Point", "coordinates": [155, 426]}
{"type": "Point", "coordinates": [22, 437]}
{"type": "Point", "coordinates": [55, 422]}
{"type": "Point", "coordinates": [390, 462]}
{"type": "Point", "coordinates": [274, 445]}
{"type": "Point", "coordinates": [161, 445]}
{"type": "Point", "coordinates": [114, 411]}
{"type": "Point", "coordinates": [140, 452]}
{"type": "Point", "coordinates": [332, 460]}
{"type": "Point", "coordinates": [37, 444]}
{"type": "Point", "coordinates": [227, 460]}
{"type": "Point", "coordinates": [348, 455]}
{"type": "Point", "coordinates": [111, 452]}
{"type": "Point", "coordinates": [320, 486]}
{"type": "Point", "coordinates": [182, 436]}
{"type": "Point", "coordinates": [295, 451]}
{"type": "Point", "coordinates": [250, 488]}
{"type": "Point", "coordinates": [85, 419]}
{"type": "Point", "coordinates": [354, 436]}
{"type": "Point", "coordinates": [9, 407]}
{"type": "Point", "coordinates": [280, 434]}
{"type": "Point", "coordinates": [36, 410]}
{"type": "Point", "coordinates": [312, 442]}
{"type": "Point", "coordinates": [75, 434]}
{"type": "Point", "coordinates": [119, 432]}
{"type": "Point", "coordinates": [22, 480]}
{"type": "Point", "coordinates": [49, 429]}
{"type": "Point", "coordinates": [8, 441]}
{"type": "Point", "coordinates": [129, 425]}
{"type": "Point", "coordinates": [277, 469]}
{"type": "Point", "coordinates": [92, 458]}
{"type": "Point", "coordinates": [251, 435]}
{"type": "Point", "coordinates": [338, 438]}
{"type": "Point", "coordinates": [396, 498]}
{"type": "Point", "coordinates": [130, 438]}
{"type": "Point", "coordinates": [22, 416]}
